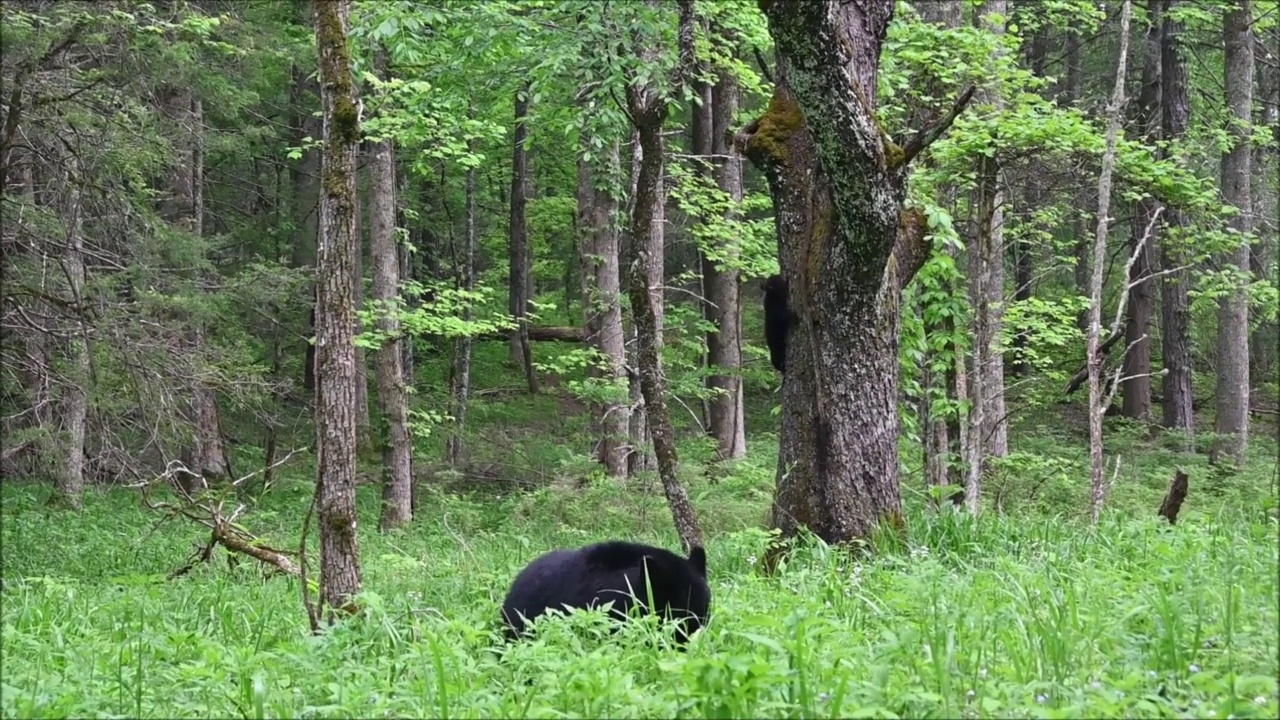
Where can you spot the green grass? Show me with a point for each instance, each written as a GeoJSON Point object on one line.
{"type": "Point", "coordinates": [1026, 615]}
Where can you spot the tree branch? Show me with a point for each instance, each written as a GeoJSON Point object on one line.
{"type": "Point", "coordinates": [927, 136]}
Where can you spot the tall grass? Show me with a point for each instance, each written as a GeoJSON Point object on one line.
{"type": "Point", "coordinates": [1025, 616]}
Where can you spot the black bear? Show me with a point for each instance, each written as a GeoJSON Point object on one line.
{"type": "Point", "coordinates": [778, 318]}
{"type": "Point", "coordinates": [595, 574]}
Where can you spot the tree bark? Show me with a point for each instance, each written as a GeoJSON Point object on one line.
{"type": "Point", "coordinates": [304, 177]}
{"type": "Point", "coordinates": [1097, 481]}
{"type": "Point", "coordinates": [1175, 302]}
{"type": "Point", "coordinates": [601, 306]}
{"type": "Point", "coordinates": [336, 373]}
{"type": "Point", "coordinates": [1264, 344]}
{"type": "Point", "coordinates": [1136, 387]}
{"type": "Point", "coordinates": [942, 432]}
{"type": "Point", "coordinates": [519, 259]}
{"type": "Point", "coordinates": [460, 368]}
{"type": "Point", "coordinates": [68, 487]}
{"type": "Point", "coordinates": [720, 284]}
{"type": "Point", "coordinates": [648, 110]}
{"type": "Point", "coordinates": [986, 285]}
{"type": "Point", "coordinates": [846, 249]}
{"type": "Point", "coordinates": [1232, 389]}
{"type": "Point", "coordinates": [397, 455]}
{"type": "Point", "coordinates": [639, 459]}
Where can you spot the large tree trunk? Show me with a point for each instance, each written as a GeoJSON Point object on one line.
{"type": "Point", "coordinates": [1232, 390]}
{"type": "Point", "coordinates": [1175, 302]}
{"type": "Point", "coordinates": [519, 258]}
{"type": "Point", "coordinates": [648, 111]}
{"type": "Point", "coordinates": [601, 307]}
{"type": "Point", "coordinates": [336, 373]}
{"type": "Point", "coordinates": [986, 286]}
{"type": "Point", "coordinates": [846, 249]}
{"type": "Point", "coordinates": [397, 476]}
{"type": "Point", "coordinates": [1137, 358]}
{"type": "Point", "coordinates": [1097, 403]}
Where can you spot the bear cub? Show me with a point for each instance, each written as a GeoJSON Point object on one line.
{"type": "Point", "coordinates": [596, 574]}
{"type": "Point", "coordinates": [778, 319]}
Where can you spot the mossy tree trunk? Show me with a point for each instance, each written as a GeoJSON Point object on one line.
{"type": "Point", "coordinates": [336, 375]}
{"type": "Point", "coordinates": [846, 248]}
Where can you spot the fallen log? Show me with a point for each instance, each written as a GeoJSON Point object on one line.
{"type": "Point", "coordinates": [542, 334]}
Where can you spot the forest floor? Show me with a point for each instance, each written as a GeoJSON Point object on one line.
{"type": "Point", "coordinates": [1026, 611]}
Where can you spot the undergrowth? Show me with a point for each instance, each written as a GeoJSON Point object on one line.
{"type": "Point", "coordinates": [1026, 614]}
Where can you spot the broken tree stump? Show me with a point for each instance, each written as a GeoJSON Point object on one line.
{"type": "Point", "coordinates": [1173, 499]}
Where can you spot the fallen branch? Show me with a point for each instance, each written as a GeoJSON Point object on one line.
{"type": "Point", "coordinates": [223, 527]}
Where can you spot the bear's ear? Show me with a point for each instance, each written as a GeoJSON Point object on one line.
{"type": "Point", "coordinates": [698, 559]}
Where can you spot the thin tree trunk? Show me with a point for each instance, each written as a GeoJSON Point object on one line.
{"type": "Point", "coordinates": [69, 483]}
{"type": "Point", "coordinates": [519, 259]}
{"type": "Point", "coordinates": [364, 433]}
{"type": "Point", "coordinates": [460, 372]}
{"type": "Point", "coordinates": [721, 286]}
{"type": "Point", "coordinates": [1097, 481]}
{"type": "Point", "coordinates": [1265, 341]}
{"type": "Point", "coordinates": [639, 459]}
{"type": "Point", "coordinates": [336, 372]}
{"type": "Point", "coordinates": [1175, 302]}
{"type": "Point", "coordinates": [404, 251]}
{"type": "Point", "coordinates": [1232, 390]}
{"type": "Point", "coordinates": [304, 182]}
{"type": "Point", "coordinates": [1136, 387]}
{"type": "Point", "coordinates": [397, 455]}
{"type": "Point", "coordinates": [986, 292]}
{"type": "Point", "coordinates": [942, 432]}
{"type": "Point", "coordinates": [1023, 255]}
{"type": "Point", "coordinates": [602, 309]}
{"type": "Point", "coordinates": [649, 111]}
{"type": "Point", "coordinates": [1073, 92]}
{"type": "Point", "coordinates": [184, 209]}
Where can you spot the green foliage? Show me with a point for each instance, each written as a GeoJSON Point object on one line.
{"type": "Point", "coordinates": [1026, 616]}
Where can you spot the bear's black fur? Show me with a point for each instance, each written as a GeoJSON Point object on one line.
{"type": "Point", "coordinates": [595, 574]}
{"type": "Point", "coordinates": [778, 318]}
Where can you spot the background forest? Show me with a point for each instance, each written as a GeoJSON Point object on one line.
{"type": "Point", "coordinates": [440, 286]}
